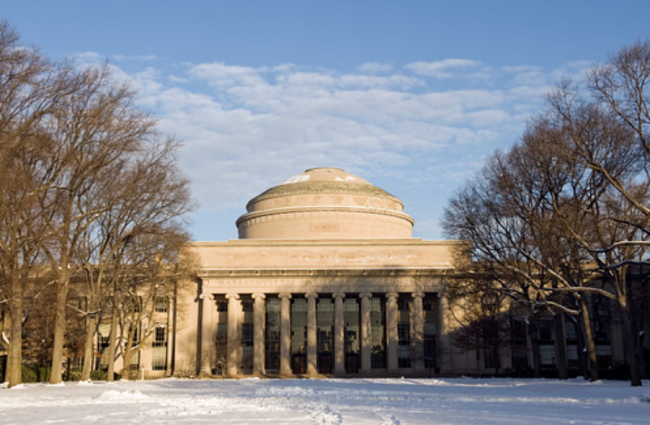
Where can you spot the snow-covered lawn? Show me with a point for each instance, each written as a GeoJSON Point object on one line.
{"type": "Point", "coordinates": [329, 401]}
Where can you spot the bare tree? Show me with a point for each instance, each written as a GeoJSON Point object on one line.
{"type": "Point", "coordinates": [30, 90]}
{"type": "Point", "coordinates": [149, 194]}
{"type": "Point", "coordinates": [93, 131]}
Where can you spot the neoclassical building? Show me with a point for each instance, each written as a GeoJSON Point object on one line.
{"type": "Point", "coordinates": [325, 279]}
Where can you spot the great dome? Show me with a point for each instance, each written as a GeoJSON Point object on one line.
{"type": "Point", "coordinates": [324, 203]}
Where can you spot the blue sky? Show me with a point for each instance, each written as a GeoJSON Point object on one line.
{"type": "Point", "coordinates": [410, 95]}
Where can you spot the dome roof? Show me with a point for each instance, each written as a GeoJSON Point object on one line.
{"type": "Point", "coordinates": [321, 181]}
{"type": "Point", "coordinates": [325, 203]}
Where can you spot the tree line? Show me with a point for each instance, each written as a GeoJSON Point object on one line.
{"type": "Point", "coordinates": [91, 203]}
{"type": "Point", "coordinates": [559, 222]}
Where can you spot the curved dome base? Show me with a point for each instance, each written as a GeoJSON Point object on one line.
{"type": "Point", "coordinates": [325, 223]}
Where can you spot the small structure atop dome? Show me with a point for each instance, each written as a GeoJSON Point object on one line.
{"type": "Point", "coordinates": [324, 174]}
{"type": "Point", "coordinates": [325, 203]}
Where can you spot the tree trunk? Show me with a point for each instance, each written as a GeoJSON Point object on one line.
{"type": "Point", "coordinates": [534, 347]}
{"type": "Point", "coordinates": [89, 358]}
{"type": "Point", "coordinates": [560, 347]}
{"type": "Point", "coordinates": [592, 364]}
{"type": "Point", "coordinates": [59, 329]}
{"type": "Point", "coordinates": [111, 347]}
{"type": "Point", "coordinates": [14, 372]}
{"type": "Point", "coordinates": [628, 345]}
{"type": "Point", "coordinates": [126, 367]}
{"type": "Point", "coordinates": [580, 346]}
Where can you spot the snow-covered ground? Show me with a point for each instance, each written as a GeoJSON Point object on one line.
{"type": "Point", "coordinates": [328, 401]}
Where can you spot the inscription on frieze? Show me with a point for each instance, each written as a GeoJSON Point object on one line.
{"type": "Point", "coordinates": [324, 227]}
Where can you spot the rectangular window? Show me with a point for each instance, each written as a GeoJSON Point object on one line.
{"type": "Point", "coordinates": [404, 350]}
{"type": "Point", "coordinates": [518, 332]}
{"type": "Point", "coordinates": [298, 334]}
{"type": "Point", "coordinates": [272, 333]}
{"type": "Point", "coordinates": [221, 348]}
{"type": "Point", "coordinates": [404, 343]}
{"type": "Point", "coordinates": [545, 332]}
{"type": "Point", "coordinates": [247, 334]}
{"type": "Point", "coordinates": [159, 348]}
{"type": "Point", "coordinates": [404, 333]}
{"type": "Point", "coordinates": [161, 304]}
{"type": "Point", "coordinates": [325, 333]}
{"type": "Point", "coordinates": [161, 333]}
{"type": "Point", "coordinates": [378, 332]}
{"type": "Point", "coordinates": [351, 318]}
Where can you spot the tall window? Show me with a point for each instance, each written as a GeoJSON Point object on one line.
{"type": "Point", "coordinates": [429, 304]}
{"type": "Point", "coordinates": [298, 334]}
{"type": "Point", "coordinates": [161, 304]}
{"type": "Point", "coordinates": [272, 333]}
{"type": "Point", "coordinates": [159, 347]}
{"type": "Point", "coordinates": [378, 332]}
{"type": "Point", "coordinates": [325, 334]}
{"type": "Point", "coordinates": [247, 340]}
{"type": "Point", "coordinates": [221, 336]}
{"type": "Point", "coordinates": [221, 348]}
{"type": "Point", "coordinates": [351, 334]}
{"type": "Point", "coordinates": [404, 302]}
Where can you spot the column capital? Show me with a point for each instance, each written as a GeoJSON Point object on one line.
{"type": "Point", "coordinates": [284, 295]}
{"type": "Point", "coordinates": [365, 295]}
{"type": "Point", "coordinates": [338, 295]}
{"type": "Point", "coordinates": [232, 296]}
{"type": "Point", "coordinates": [417, 294]}
{"type": "Point", "coordinates": [209, 297]}
{"type": "Point", "coordinates": [392, 295]}
{"type": "Point", "coordinates": [258, 295]}
{"type": "Point", "coordinates": [311, 295]}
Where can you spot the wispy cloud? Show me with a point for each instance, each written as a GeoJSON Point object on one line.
{"type": "Point", "coordinates": [138, 58]}
{"type": "Point", "coordinates": [375, 68]}
{"type": "Point", "coordinates": [447, 68]}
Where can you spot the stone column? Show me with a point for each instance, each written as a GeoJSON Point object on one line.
{"type": "Point", "coordinates": [366, 343]}
{"type": "Point", "coordinates": [312, 349]}
{"type": "Point", "coordinates": [285, 335]}
{"type": "Point", "coordinates": [418, 330]}
{"type": "Point", "coordinates": [207, 334]}
{"type": "Point", "coordinates": [339, 329]}
{"type": "Point", "coordinates": [259, 311]}
{"type": "Point", "coordinates": [234, 337]}
{"type": "Point", "coordinates": [444, 355]}
{"type": "Point", "coordinates": [391, 330]}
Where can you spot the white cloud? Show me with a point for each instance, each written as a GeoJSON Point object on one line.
{"type": "Point", "coordinates": [447, 68]}
{"type": "Point", "coordinates": [375, 68]}
{"type": "Point", "coordinates": [139, 58]}
{"type": "Point", "coordinates": [220, 75]}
